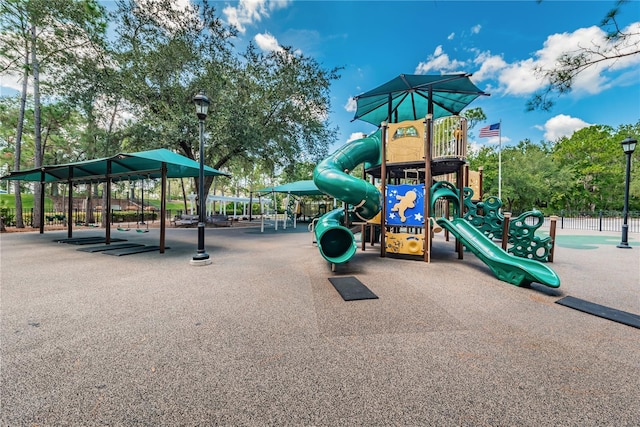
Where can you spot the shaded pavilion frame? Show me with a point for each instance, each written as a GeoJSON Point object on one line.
{"type": "Point", "coordinates": [298, 188]}
{"type": "Point", "coordinates": [160, 163]}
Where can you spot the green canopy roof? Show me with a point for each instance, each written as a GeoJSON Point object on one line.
{"type": "Point", "coordinates": [298, 188]}
{"type": "Point", "coordinates": [129, 166]}
{"type": "Point", "coordinates": [413, 96]}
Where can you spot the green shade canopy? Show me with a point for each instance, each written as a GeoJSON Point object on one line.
{"type": "Point", "coordinates": [126, 166]}
{"type": "Point", "coordinates": [411, 97]}
{"type": "Point", "coordinates": [298, 188]}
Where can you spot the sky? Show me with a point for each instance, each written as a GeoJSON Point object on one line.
{"type": "Point", "coordinates": [499, 42]}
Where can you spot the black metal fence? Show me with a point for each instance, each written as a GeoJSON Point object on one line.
{"type": "Point", "coordinates": [79, 216]}
{"type": "Point", "coordinates": [599, 221]}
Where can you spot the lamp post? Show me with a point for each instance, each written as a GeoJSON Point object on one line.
{"type": "Point", "coordinates": [628, 146]}
{"type": "Point", "coordinates": [201, 257]}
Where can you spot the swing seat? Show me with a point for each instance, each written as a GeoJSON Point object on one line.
{"type": "Point", "coordinates": [139, 230]}
{"type": "Point", "coordinates": [123, 229]}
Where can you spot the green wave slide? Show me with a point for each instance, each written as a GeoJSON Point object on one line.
{"type": "Point", "coordinates": [506, 267]}
{"type": "Point", "coordinates": [337, 243]}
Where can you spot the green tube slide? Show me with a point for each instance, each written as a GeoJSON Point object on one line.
{"type": "Point", "coordinates": [444, 190]}
{"type": "Point", "coordinates": [336, 242]}
{"type": "Point", "coordinates": [506, 267]}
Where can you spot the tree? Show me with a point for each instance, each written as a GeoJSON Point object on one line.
{"type": "Point", "coordinates": [592, 155]}
{"type": "Point", "coordinates": [474, 116]}
{"type": "Point", "coordinates": [14, 56]}
{"type": "Point", "coordinates": [621, 43]}
{"type": "Point", "coordinates": [39, 33]}
{"type": "Point", "coordinates": [595, 161]}
{"type": "Point", "coordinates": [631, 130]}
{"type": "Point", "coordinates": [531, 177]}
{"type": "Point", "coordinates": [266, 108]}
{"type": "Point", "coordinates": [280, 111]}
{"type": "Point", "coordinates": [487, 158]}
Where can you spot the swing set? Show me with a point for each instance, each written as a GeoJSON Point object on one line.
{"type": "Point", "coordinates": [138, 229]}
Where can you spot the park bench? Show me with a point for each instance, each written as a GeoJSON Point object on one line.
{"type": "Point", "coordinates": [219, 220]}
{"type": "Point", "coordinates": [185, 221]}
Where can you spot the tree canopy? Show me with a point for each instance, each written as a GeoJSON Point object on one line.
{"type": "Point", "coordinates": [125, 81]}
{"type": "Point", "coordinates": [584, 172]}
{"type": "Point", "coordinates": [134, 90]}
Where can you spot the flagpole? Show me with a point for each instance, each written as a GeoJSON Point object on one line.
{"type": "Point", "coordinates": [500, 161]}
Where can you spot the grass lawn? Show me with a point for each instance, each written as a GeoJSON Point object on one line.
{"type": "Point", "coordinates": [9, 201]}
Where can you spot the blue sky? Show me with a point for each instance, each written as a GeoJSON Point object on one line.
{"type": "Point", "coordinates": [499, 42]}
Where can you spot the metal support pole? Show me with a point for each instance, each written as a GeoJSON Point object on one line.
{"type": "Point", "coordinates": [624, 244]}
{"type": "Point", "coordinates": [201, 257]}
{"type": "Point", "coordinates": [552, 234]}
{"type": "Point", "coordinates": [505, 230]}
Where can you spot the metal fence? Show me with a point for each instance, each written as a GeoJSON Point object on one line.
{"type": "Point", "coordinates": [79, 216]}
{"type": "Point", "coordinates": [598, 221]}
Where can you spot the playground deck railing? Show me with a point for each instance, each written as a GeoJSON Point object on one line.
{"type": "Point", "coordinates": [449, 138]}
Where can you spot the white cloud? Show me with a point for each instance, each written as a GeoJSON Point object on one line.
{"type": "Point", "coordinates": [591, 80]}
{"type": "Point", "coordinates": [356, 135]}
{"type": "Point", "coordinates": [476, 144]}
{"type": "Point", "coordinates": [474, 147]}
{"type": "Point", "coordinates": [490, 66]}
{"type": "Point", "coordinates": [630, 46]}
{"type": "Point", "coordinates": [278, 4]}
{"type": "Point", "coordinates": [182, 4]}
{"type": "Point", "coordinates": [9, 80]}
{"type": "Point", "coordinates": [476, 29]}
{"type": "Point", "coordinates": [451, 36]}
{"type": "Point", "coordinates": [248, 12]}
{"type": "Point", "coordinates": [495, 140]}
{"type": "Point", "coordinates": [156, 12]}
{"type": "Point", "coordinates": [562, 125]}
{"type": "Point", "coordinates": [267, 42]}
{"type": "Point", "coordinates": [351, 105]}
{"type": "Point", "coordinates": [519, 78]}
{"type": "Point", "coordinates": [439, 61]}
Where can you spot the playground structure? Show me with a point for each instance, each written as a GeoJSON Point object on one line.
{"type": "Point", "coordinates": [408, 199]}
{"type": "Point", "coordinates": [520, 231]}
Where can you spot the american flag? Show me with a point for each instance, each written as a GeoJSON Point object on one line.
{"type": "Point", "coordinates": [491, 130]}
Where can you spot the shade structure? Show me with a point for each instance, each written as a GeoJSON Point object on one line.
{"type": "Point", "coordinates": [131, 166]}
{"type": "Point", "coordinates": [160, 163]}
{"type": "Point", "coordinates": [410, 97]}
{"type": "Point", "coordinates": [298, 188]}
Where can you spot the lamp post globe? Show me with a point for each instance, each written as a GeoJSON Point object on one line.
{"type": "Point", "coordinates": [628, 147]}
{"type": "Point", "coordinates": [202, 106]}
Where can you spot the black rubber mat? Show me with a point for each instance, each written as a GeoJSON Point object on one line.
{"type": "Point", "coordinates": [75, 239]}
{"type": "Point", "coordinates": [605, 312]}
{"type": "Point", "coordinates": [351, 289]}
{"type": "Point", "coordinates": [103, 248]}
{"type": "Point", "coordinates": [134, 250]}
{"type": "Point", "coordinates": [87, 240]}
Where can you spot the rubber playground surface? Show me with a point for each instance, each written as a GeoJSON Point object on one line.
{"type": "Point", "coordinates": [261, 337]}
